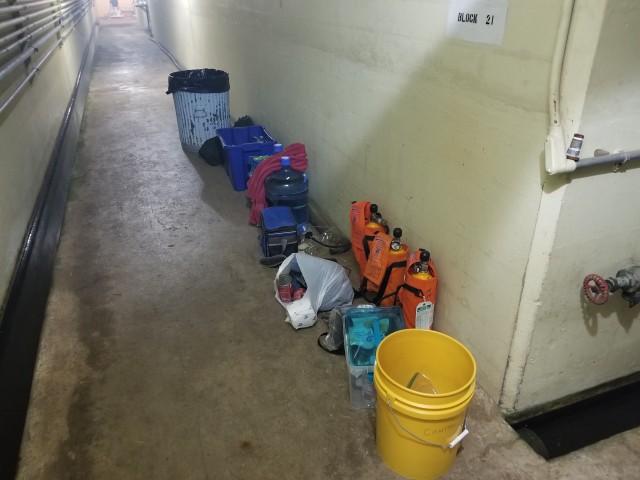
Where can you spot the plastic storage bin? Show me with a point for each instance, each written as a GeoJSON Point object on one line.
{"type": "Point", "coordinates": [239, 144]}
{"type": "Point", "coordinates": [362, 393]}
{"type": "Point", "coordinates": [364, 329]}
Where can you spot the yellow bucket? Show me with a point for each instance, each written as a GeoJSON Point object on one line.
{"type": "Point", "coordinates": [418, 433]}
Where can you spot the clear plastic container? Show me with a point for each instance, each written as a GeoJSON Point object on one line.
{"type": "Point", "coordinates": [364, 329]}
{"type": "Point", "coordinates": [362, 393]}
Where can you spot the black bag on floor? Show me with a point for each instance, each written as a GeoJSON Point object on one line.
{"type": "Point", "coordinates": [211, 151]}
{"type": "Point", "coordinates": [278, 236]}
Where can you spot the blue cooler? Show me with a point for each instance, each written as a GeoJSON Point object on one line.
{"type": "Point", "coordinates": [279, 234]}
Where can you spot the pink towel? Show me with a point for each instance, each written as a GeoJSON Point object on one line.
{"type": "Point", "coordinates": [255, 185]}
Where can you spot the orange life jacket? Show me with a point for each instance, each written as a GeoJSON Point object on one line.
{"type": "Point", "coordinates": [416, 290]}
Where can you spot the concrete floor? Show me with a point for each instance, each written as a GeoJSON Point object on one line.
{"type": "Point", "coordinates": [164, 354]}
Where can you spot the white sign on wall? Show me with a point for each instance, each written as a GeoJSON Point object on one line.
{"type": "Point", "coordinates": [480, 21]}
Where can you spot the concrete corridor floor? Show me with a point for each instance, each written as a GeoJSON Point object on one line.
{"type": "Point", "coordinates": [164, 354]}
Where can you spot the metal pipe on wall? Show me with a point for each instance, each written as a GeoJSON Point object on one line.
{"type": "Point", "coordinates": [23, 6]}
{"type": "Point", "coordinates": [10, 66]}
{"type": "Point", "coordinates": [555, 147]}
{"type": "Point", "coordinates": [610, 159]}
{"type": "Point", "coordinates": [36, 68]}
{"type": "Point", "coordinates": [56, 18]}
{"type": "Point", "coordinates": [26, 28]}
{"type": "Point", "coordinates": [26, 18]}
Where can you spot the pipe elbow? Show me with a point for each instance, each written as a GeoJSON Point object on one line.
{"type": "Point", "coordinates": [554, 153]}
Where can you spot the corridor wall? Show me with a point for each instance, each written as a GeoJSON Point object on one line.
{"type": "Point", "coordinates": [447, 135]}
{"type": "Point", "coordinates": [28, 132]}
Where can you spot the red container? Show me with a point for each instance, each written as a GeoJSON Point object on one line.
{"type": "Point", "coordinates": [285, 292]}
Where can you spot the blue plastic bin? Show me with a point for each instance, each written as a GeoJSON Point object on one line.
{"type": "Point", "coordinates": [239, 144]}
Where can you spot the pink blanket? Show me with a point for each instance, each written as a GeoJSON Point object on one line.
{"type": "Point", "coordinates": [255, 185]}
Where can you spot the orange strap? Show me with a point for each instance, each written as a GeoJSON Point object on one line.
{"type": "Point", "coordinates": [378, 258]}
{"type": "Point", "coordinates": [359, 217]}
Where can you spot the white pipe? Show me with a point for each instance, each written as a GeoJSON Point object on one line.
{"type": "Point", "coordinates": [555, 145]}
{"type": "Point", "coordinates": [544, 232]}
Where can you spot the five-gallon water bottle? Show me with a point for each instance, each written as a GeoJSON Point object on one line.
{"type": "Point", "coordinates": [288, 188]}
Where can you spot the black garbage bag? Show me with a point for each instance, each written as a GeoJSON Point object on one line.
{"type": "Point", "coordinates": [211, 151]}
{"type": "Point", "coordinates": [245, 121]}
{"type": "Point", "coordinates": [203, 80]}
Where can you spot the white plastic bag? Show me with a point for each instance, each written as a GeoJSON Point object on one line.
{"type": "Point", "coordinates": [328, 287]}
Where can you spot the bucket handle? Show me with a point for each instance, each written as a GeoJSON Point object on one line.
{"type": "Point", "coordinates": [451, 444]}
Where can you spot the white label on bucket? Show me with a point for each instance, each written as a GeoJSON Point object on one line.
{"type": "Point", "coordinates": [424, 315]}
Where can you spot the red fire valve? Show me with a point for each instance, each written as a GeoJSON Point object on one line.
{"type": "Point", "coordinates": [596, 289]}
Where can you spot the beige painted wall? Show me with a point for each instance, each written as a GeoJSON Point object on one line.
{"type": "Point", "coordinates": [444, 135]}
{"type": "Point", "coordinates": [576, 345]}
{"type": "Point", "coordinates": [28, 132]}
{"type": "Point", "coordinates": [172, 20]}
{"type": "Point", "coordinates": [448, 138]}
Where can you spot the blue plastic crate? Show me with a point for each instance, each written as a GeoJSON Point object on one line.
{"type": "Point", "coordinates": [239, 144]}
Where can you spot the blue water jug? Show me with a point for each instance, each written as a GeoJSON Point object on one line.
{"type": "Point", "coordinates": [288, 188]}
